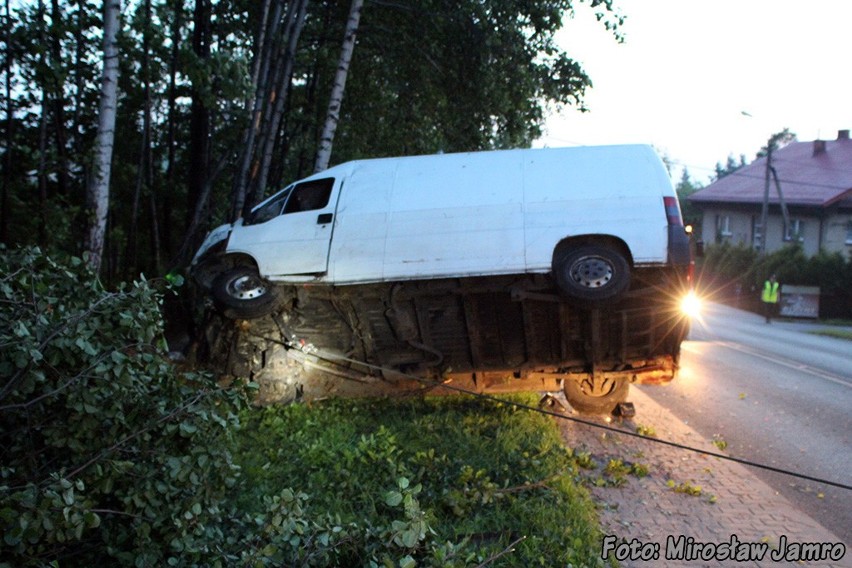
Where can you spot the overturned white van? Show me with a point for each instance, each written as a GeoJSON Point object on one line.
{"type": "Point", "coordinates": [558, 264]}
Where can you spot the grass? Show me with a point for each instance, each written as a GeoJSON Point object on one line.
{"type": "Point", "coordinates": [444, 481]}
{"type": "Point", "coordinates": [839, 333]}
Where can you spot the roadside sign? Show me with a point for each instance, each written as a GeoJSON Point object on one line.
{"type": "Point", "coordinates": [799, 301]}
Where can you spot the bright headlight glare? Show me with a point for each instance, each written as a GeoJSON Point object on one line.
{"type": "Point", "coordinates": [690, 305]}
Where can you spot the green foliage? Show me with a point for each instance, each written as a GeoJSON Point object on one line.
{"type": "Point", "coordinates": [729, 262]}
{"type": "Point", "coordinates": [436, 482]}
{"type": "Point", "coordinates": [111, 455]}
{"type": "Point", "coordinates": [432, 76]}
{"type": "Point", "coordinates": [727, 266]}
{"type": "Point", "coordinates": [426, 77]}
{"type": "Point", "coordinates": [777, 140]}
{"type": "Point", "coordinates": [838, 333]}
{"type": "Point", "coordinates": [831, 272]}
{"type": "Point", "coordinates": [107, 450]}
{"type": "Point", "coordinates": [684, 188]}
{"type": "Point", "coordinates": [684, 487]}
{"type": "Point", "coordinates": [730, 166]}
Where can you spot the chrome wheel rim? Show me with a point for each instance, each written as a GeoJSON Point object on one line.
{"type": "Point", "coordinates": [591, 272]}
{"type": "Point", "coordinates": [246, 288]}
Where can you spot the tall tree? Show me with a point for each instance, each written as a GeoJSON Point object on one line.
{"type": "Point", "coordinates": [98, 191]}
{"type": "Point", "coordinates": [199, 120]}
{"type": "Point", "coordinates": [278, 36]}
{"type": "Point", "coordinates": [427, 76]}
{"type": "Point", "coordinates": [686, 187]}
{"type": "Point", "coordinates": [8, 60]}
{"type": "Point", "coordinates": [333, 114]}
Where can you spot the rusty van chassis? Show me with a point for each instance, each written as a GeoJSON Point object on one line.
{"type": "Point", "coordinates": [484, 335]}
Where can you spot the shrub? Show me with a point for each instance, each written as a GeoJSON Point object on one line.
{"type": "Point", "coordinates": [107, 451]}
{"type": "Point", "coordinates": [111, 455]}
{"type": "Point", "coordinates": [441, 482]}
{"type": "Point", "coordinates": [725, 266]}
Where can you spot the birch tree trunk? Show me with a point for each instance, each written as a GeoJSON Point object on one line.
{"type": "Point", "coordinates": [333, 115]}
{"type": "Point", "coordinates": [264, 43]}
{"type": "Point", "coordinates": [10, 133]}
{"type": "Point", "coordinates": [199, 113]}
{"type": "Point", "coordinates": [98, 190]}
{"type": "Point", "coordinates": [275, 71]}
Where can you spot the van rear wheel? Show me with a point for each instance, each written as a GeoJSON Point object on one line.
{"type": "Point", "coordinates": [596, 395]}
{"type": "Point", "coordinates": [240, 293]}
{"type": "Point", "coordinates": [592, 274]}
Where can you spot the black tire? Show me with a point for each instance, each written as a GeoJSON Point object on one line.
{"type": "Point", "coordinates": [592, 274]}
{"type": "Point", "coordinates": [240, 293]}
{"type": "Point", "coordinates": [587, 397]}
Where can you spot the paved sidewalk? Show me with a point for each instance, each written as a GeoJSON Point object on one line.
{"type": "Point", "coordinates": [732, 504]}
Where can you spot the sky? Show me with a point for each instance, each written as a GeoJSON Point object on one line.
{"type": "Point", "coordinates": [702, 80]}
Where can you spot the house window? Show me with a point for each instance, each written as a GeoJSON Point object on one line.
{"type": "Point", "coordinates": [723, 225]}
{"type": "Point", "coordinates": [756, 233]}
{"type": "Point", "coordinates": [849, 232]}
{"type": "Point", "coordinates": [795, 231]}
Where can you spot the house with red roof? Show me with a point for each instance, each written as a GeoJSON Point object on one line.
{"type": "Point", "coordinates": [815, 181]}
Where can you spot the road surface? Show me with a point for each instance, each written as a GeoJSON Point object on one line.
{"type": "Point", "coordinates": [776, 395]}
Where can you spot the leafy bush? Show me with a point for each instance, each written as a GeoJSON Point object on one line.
{"type": "Point", "coordinates": [724, 267]}
{"type": "Point", "coordinates": [106, 451]}
{"type": "Point", "coordinates": [110, 455]}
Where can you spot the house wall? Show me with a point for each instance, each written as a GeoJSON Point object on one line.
{"type": "Point", "coordinates": [837, 234]}
{"type": "Point", "coordinates": [739, 225]}
{"type": "Point", "coordinates": [836, 230]}
{"type": "Point", "coordinates": [808, 237]}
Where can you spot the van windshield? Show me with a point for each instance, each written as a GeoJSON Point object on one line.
{"type": "Point", "coordinates": [268, 210]}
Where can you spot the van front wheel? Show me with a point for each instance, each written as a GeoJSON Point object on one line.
{"type": "Point", "coordinates": [240, 293]}
{"type": "Point", "coordinates": [592, 274]}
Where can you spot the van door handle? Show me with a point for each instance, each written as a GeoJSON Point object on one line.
{"type": "Point", "coordinates": [324, 219]}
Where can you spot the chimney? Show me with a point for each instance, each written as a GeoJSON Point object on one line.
{"type": "Point", "coordinates": [843, 134]}
{"type": "Point", "coordinates": [819, 147]}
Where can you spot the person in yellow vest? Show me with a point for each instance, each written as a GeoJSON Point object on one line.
{"type": "Point", "coordinates": [769, 297]}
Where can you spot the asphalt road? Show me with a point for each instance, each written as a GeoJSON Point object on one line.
{"type": "Point", "coordinates": [777, 395]}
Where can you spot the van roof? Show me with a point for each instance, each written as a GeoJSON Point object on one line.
{"type": "Point", "coordinates": [620, 153]}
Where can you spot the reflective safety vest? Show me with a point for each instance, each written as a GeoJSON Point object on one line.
{"type": "Point", "coordinates": [770, 292]}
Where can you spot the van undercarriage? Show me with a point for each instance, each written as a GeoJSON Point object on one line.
{"type": "Point", "coordinates": [486, 335]}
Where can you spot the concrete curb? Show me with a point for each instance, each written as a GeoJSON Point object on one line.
{"type": "Point", "coordinates": [732, 504]}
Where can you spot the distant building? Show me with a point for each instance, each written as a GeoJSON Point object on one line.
{"type": "Point", "coordinates": [816, 183]}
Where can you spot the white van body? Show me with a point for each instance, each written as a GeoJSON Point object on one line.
{"type": "Point", "coordinates": [468, 214]}
{"type": "Point", "coordinates": [503, 270]}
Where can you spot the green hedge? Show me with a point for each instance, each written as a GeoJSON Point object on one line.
{"type": "Point", "coordinates": [726, 268]}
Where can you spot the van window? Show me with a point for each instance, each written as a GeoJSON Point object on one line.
{"type": "Point", "coordinates": [309, 196]}
{"type": "Point", "coordinates": [268, 210]}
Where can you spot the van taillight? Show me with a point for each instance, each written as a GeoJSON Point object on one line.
{"type": "Point", "coordinates": [672, 211]}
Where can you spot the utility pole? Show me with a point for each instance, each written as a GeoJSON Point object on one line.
{"type": "Point", "coordinates": [771, 173]}
{"type": "Point", "coordinates": [765, 211]}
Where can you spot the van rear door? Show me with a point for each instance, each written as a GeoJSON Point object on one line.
{"type": "Point", "coordinates": [294, 239]}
